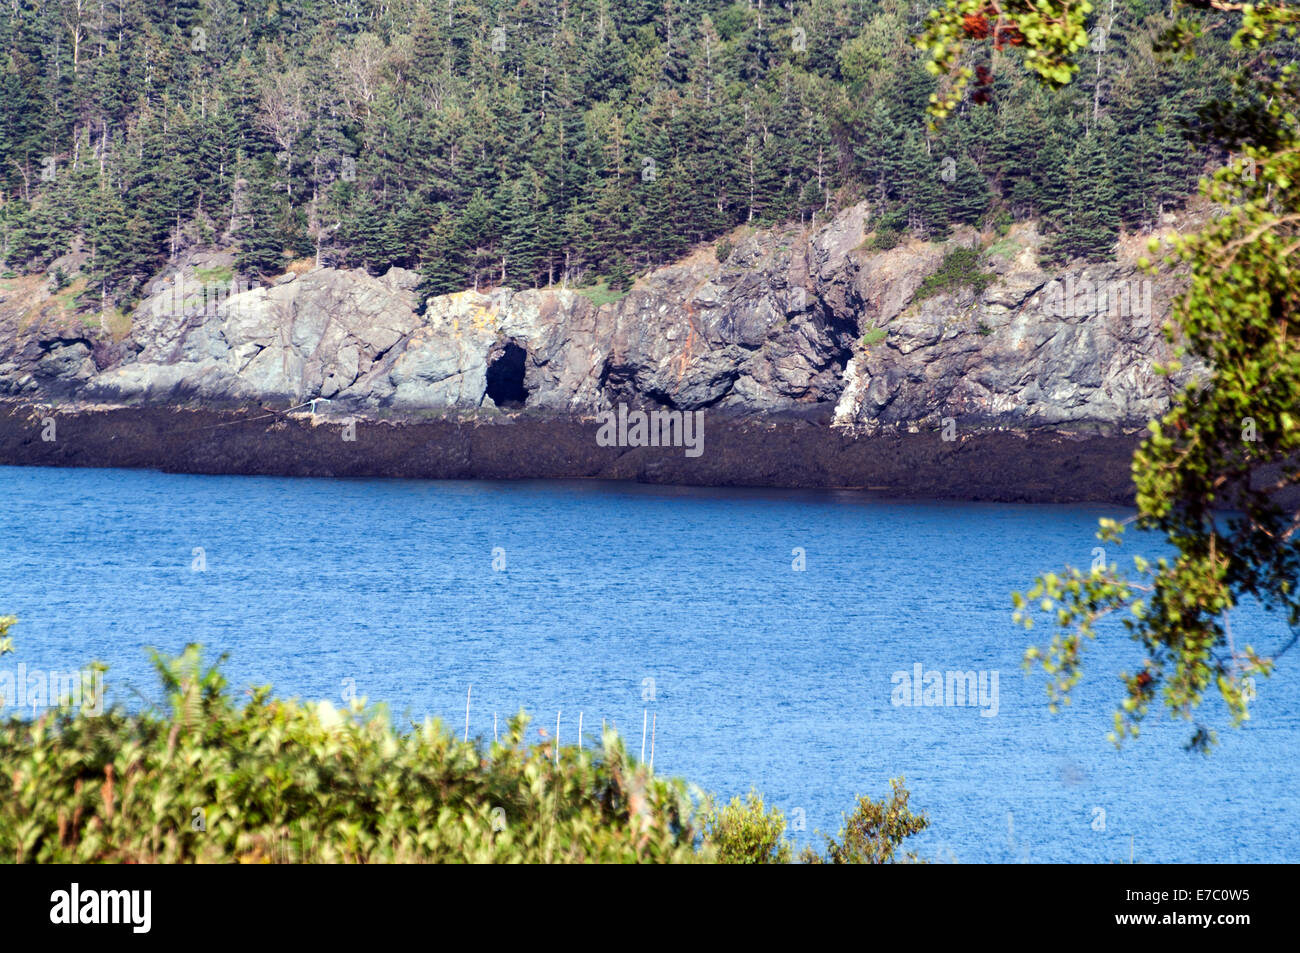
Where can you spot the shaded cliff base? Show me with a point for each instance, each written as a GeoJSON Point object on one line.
{"type": "Point", "coordinates": [992, 465]}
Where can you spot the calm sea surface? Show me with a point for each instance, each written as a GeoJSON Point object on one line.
{"type": "Point", "coordinates": [619, 599]}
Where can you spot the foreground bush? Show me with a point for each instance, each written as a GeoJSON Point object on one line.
{"type": "Point", "coordinates": [873, 832]}
{"type": "Point", "coordinates": [746, 832]}
{"type": "Point", "coordinates": [264, 781]}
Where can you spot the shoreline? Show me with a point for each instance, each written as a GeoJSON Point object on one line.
{"type": "Point", "coordinates": [1039, 466]}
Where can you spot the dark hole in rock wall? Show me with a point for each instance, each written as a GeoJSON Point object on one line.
{"type": "Point", "coordinates": [505, 377]}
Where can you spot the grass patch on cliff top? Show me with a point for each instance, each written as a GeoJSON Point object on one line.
{"type": "Point", "coordinates": [1007, 248]}
{"type": "Point", "coordinates": [220, 275]}
{"type": "Point", "coordinates": [601, 294]}
{"type": "Point", "coordinates": [63, 304]}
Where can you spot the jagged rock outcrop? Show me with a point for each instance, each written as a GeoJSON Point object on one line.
{"type": "Point", "coordinates": [794, 325]}
{"type": "Point", "coordinates": [790, 322]}
{"type": "Point", "coordinates": [809, 324]}
{"type": "Point", "coordinates": [1072, 350]}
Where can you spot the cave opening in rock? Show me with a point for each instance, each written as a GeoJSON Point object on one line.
{"type": "Point", "coordinates": [505, 377]}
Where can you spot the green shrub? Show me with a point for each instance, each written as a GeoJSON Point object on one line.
{"type": "Point", "coordinates": [884, 239]}
{"type": "Point", "coordinates": [873, 833]}
{"type": "Point", "coordinates": [285, 781]}
{"type": "Point", "coordinates": [959, 269]}
{"type": "Point", "coordinates": [268, 780]}
{"type": "Point", "coordinates": [874, 336]}
{"type": "Point", "coordinates": [722, 251]}
{"type": "Point", "coordinates": [745, 832]}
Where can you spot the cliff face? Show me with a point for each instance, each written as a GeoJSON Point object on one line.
{"type": "Point", "coordinates": [795, 325]}
{"type": "Point", "coordinates": [786, 325]}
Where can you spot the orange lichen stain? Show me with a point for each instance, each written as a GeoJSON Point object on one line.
{"type": "Point", "coordinates": [688, 349]}
{"type": "Point", "coordinates": [482, 316]}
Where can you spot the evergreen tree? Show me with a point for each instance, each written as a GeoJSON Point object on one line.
{"type": "Point", "coordinates": [261, 241]}
{"type": "Point", "coordinates": [522, 240]}
{"type": "Point", "coordinates": [1092, 214]}
{"type": "Point", "coordinates": [922, 191]}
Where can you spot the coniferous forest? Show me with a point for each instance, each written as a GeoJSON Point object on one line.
{"type": "Point", "coordinates": [525, 142]}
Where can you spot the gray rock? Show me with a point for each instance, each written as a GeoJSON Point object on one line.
{"type": "Point", "coordinates": [790, 323]}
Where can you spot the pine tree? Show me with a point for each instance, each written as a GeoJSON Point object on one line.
{"type": "Point", "coordinates": [521, 242]}
{"type": "Point", "coordinates": [1092, 213]}
{"type": "Point", "coordinates": [968, 193]}
{"type": "Point", "coordinates": [261, 241]}
{"type": "Point", "coordinates": [922, 191]}
{"type": "Point", "coordinates": [475, 238]}
{"type": "Point", "coordinates": [443, 270]}
{"type": "Point", "coordinates": [370, 234]}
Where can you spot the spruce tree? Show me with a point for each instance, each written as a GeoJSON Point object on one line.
{"type": "Point", "coordinates": [261, 240]}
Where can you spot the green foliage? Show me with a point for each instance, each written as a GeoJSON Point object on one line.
{"type": "Point", "coordinates": [959, 269]}
{"type": "Point", "coordinates": [883, 239]}
{"type": "Point", "coordinates": [6, 641]}
{"type": "Point", "coordinates": [1047, 35]}
{"type": "Point", "coordinates": [594, 144]}
{"type": "Point", "coordinates": [1089, 219]}
{"type": "Point", "coordinates": [262, 240]}
{"type": "Point", "coordinates": [873, 833]}
{"type": "Point", "coordinates": [745, 832]}
{"type": "Point", "coordinates": [601, 293]}
{"type": "Point", "coordinates": [873, 337]}
{"type": "Point", "coordinates": [283, 781]}
{"type": "Point", "coordinates": [275, 781]}
{"type": "Point", "coordinates": [1211, 476]}
{"type": "Point", "coordinates": [722, 251]}
{"type": "Point", "coordinates": [620, 277]}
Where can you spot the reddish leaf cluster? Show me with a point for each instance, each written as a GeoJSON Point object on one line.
{"type": "Point", "coordinates": [1007, 36]}
{"type": "Point", "coordinates": [975, 25]}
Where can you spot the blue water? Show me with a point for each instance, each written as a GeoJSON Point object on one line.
{"type": "Point", "coordinates": [762, 676]}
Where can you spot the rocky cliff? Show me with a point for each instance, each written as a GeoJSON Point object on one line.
{"type": "Point", "coordinates": [805, 333]}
